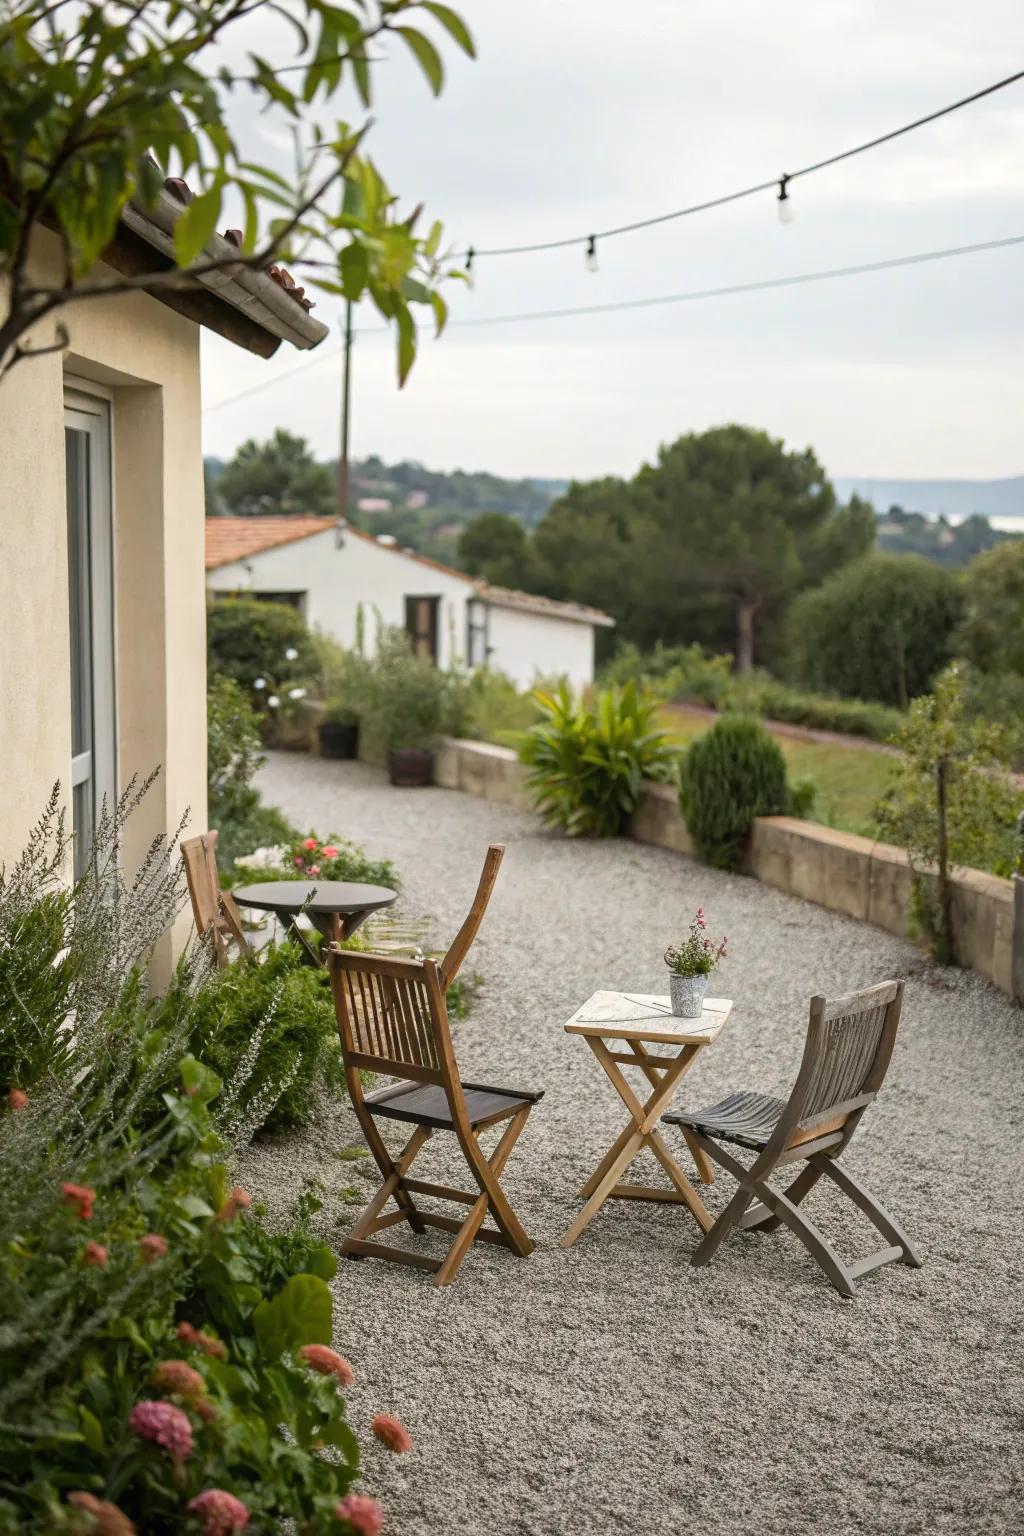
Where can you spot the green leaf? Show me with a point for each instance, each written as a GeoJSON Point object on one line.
{"type": "Point", "coordinates": [92, 1430]}
{"type": "Point", "coordinates": [426, 56]}
{"type": "Point", "coordinates": [197, 224]}
{"type": "Point", "coordinates": [453, 25]}
{"type": "Point", "coordinates": [200, 1081]}
{"type": "Point", "coordinates": [354, 268]}
{"type": "Point", "coordinates": [406, 343]}
{"type": "Point", "coordinates": [322, 1262]}
{"type": "Point", "coordinates": [440, 312]}
{"type": "Point", "coordinates": [300, 1313]}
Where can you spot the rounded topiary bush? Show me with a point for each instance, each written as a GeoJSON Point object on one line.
{"type": "Point", "coordinates": [731, 774]}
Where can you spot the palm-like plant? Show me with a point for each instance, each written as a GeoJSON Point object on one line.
{"type": "Point", "coordinates": [587, 764]}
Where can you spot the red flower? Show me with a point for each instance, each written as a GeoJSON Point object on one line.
{"type": "Point", "coordinates": [330, 852]}
{"type": "Point", "coordinates": [152, 1247]}
{"type": "Point", "coordinates": [219, 1512]}
{"type": "Point", "coordinates": [164, 1424]}
{"type": "Point", "coordinates": [393, 1433]}
{"type": "Point", "coordinates": [364, 1515]}
{"type": "Point", "coordinates": [105, 1519]}
{"type": "Point", "coordinates": [17, 1098]}
{"type": "Point", "coordinates": [311, 843]}
{"type": "Point", "coordinates": [202, 1341]}
{"type": "Point", "coordinates": [178, 1377]}
{"type": "Point", "coordinates": [79, 1198]}
{"type": "Point", "coordinates": [95, 1255]}
{"type": "Point", "coordinates": [237, 1201]}
{"type": "Point", "coordinates": [319, 1358]}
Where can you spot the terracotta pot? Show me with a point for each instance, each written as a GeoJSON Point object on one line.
{"type": "Point", "coordinates": [338, 738]}
{"type": "Point", "coordinates": [411, 767]}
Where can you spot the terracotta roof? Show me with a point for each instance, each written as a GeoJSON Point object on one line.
{"type": "Point", "coordinates": [183, 192]}
{"type": "Point", "coordinates": [236, 538]}
{"type": "Point", "coordinates": [530, 602]}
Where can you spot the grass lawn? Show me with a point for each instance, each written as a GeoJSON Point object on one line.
{"type": "Point", "coordinates": [849, 780]}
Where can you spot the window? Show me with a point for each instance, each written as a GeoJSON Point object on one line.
{"type": "Point", "coordinates": [421, 616]}
{"type": "Point", "coordinates": [477, 633]}
{"type": "Point", "coordinates": [91, 614]}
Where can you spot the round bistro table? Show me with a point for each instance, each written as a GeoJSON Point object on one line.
{"type": "Point", "coordinates": [335, 907]}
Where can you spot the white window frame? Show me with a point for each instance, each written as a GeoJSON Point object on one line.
{"type": "Point", "coordinates": [90, 414]}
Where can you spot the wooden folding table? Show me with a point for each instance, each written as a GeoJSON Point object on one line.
{"type": "Point", "coordinates": [633, 1022]}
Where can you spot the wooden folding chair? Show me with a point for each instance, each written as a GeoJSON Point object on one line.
{"type": "Point", "coordinates": [846, 1055]}
{"type": "Point", "coordinates": [212, 907]}
{"type": "Point", "coordinates": [392, 1019]}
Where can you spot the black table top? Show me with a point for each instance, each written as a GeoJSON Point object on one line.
{"type": "Point", "coordinates": [319, 896]}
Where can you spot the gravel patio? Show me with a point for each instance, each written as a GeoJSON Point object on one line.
{"type": "Point", "coordinates": [611, 1388]}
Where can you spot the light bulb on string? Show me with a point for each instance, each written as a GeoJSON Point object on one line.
{"type": "Point", "coordinates": [469, 261]}
{"type": "Point", "coordinates": [591, 256]}
{"type": "Point", "coordinates": [785, 202]}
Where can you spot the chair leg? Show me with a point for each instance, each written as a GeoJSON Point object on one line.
{"type": "Point", "coordinates": [712, 1241]}
{"type": "Point", "coordinates": [391, 1188]}
{"type": "Point", "coordinates": [865, 1201]}
{"type": "Point", "coordinates": [795, 1193]}
{"type": "Point", "coordinates": [486, 1174]}
{"type": "Point", "coordinates": [473, 1222]}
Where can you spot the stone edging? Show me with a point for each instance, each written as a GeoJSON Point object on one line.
{"type": "Point", "coordinates": [863, 879]}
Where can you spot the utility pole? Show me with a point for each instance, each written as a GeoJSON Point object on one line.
{"type": "Point", "coordinates": [346, 379]}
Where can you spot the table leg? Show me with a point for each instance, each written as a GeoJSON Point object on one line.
{"type": "Point", "coordinates": [611, 1177]}
{"type": "Point", "coordinates": [650, 1065]}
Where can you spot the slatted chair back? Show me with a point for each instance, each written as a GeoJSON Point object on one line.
{"type": "Point", "coordinates": [212, 908]}
{"type": "Point", "coordinates": [846, 1056]}
{"type": "Point", "coordinates": [392, 1019]}
{"type": "Point", "coordinates": [452, 962]}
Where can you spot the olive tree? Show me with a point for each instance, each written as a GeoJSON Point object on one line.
{"type": "Point", "coordinates": [100, 102]}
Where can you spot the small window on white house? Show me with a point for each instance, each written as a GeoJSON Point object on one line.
{"type": "Point", "coordinates": [91, 616]}
{"type": "Point", "coordinates": [421, 624]}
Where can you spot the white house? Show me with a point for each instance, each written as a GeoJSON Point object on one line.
{"type": "Point", "coordinates": [327, 569]}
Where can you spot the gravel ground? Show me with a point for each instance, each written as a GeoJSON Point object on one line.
{"type": "Point", "coordinates": [612, 1388]}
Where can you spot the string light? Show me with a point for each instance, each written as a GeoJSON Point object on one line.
{"type": "Point", "coordinates": [469, 261]}
{"type": "Point", "coordinates": [591, 256]}
{"type": "Point", "coordinates": [785, 202]}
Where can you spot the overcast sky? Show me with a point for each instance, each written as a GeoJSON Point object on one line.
{"type": "Point", "coordinates": [567, 122]}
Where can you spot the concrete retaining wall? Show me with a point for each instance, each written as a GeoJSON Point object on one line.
{"type": "Point", "coordinates": [866, 880]}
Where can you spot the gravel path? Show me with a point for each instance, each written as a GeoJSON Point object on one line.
{"type": "Point", "coordinates": [611, 1388]}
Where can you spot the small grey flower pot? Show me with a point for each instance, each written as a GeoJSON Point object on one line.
{"type": "Point", "coordinates": [687, 993]}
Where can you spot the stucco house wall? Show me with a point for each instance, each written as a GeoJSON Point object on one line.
{"type": "Point", "coordinates": [142, 358]}
{"type": "Point", "coordinates": [528, 646]}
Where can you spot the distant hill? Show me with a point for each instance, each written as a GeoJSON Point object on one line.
{"type": "Point", "coordinates": [954, 499]}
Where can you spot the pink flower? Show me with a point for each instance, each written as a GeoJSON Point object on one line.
{"type": "Point", "coordinates": [311, 843]}
{"type": "Point", "coordinates": [299, 863]}
{"type": "Point", "coordinates": [319, 1358]}
{"type": "Point", "coordinates": [205, 1409]}
{"type": "Point", "coordinates": [393, 1433]}
{"type": "Point", "coordinates": [152, 1247]}
{"type": "Point", "coordinates": [330, 852]}
{"type": "Point", "coordinates": [105, 1519]}
{"type": "Point", "coordinates": [202, 1341]}
{"type": "Point", "coordinates": [178, 1377]}
{"type": "Point", "coordinates": [95, 1255]}
{"type": "Point", "coordinates": [220, 1512]}
{"type": "Point", "coordinates": [238, 1200]}
{"type": "Point", "coordinates": [79, 1198]}
{"type": "Point", "coordinates": [164, 1424]}
{"type": "Point", "coordinates": [17, 1099]}
{"type": "Point", "coordinates": [364, 1515]}
{"type": "Point", "coordinates": [314, 869]}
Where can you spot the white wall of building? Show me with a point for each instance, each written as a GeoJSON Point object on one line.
{"type": "Point", "coordinates": [528, 646]}
{"type": "Point", "coordinates": [336, 580]}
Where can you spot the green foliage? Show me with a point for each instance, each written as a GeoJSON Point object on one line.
{"type": "Point", "coordinates": [306, 857]}
{"type": "Point", "coordinates": [707, 544]}
{"type": "Point", "coordinates": [494, 708]}
{"type": "Point", "coordinates": [698, 954]}
{"type": "Point", "coordinates": [882, 628]}
{"type": "Point", "coordinates": [266, 1025]}
{"type": "Point", "coordinates": [235, 808]}
{"type": "Point", "coordinates": [936, 538]}
{"type": "Point", "coordinates": [404, 700]}
{"type": "Point", "coordinates": [998, 696]}
{"type": "Point", "coordinates": [587, 763]}
{"type": "Point", "coordinates": [950, 802]}
{"type": "Point", "coordinates": [495, 546]}
{"type": "Point", "coordinates": [249, 641]}
{"type": "Point", "coordinates": [120, 1240]}
{"type": "Point", "coordinates": [992, 634]}
{"type": "Point", "coordinates": [728, 776]}
{"type": "Point", "coordinates": [278, 478]}
{"type": "Point", "coordinates": [96, 107]}
{"type": "Point", "coordinates": [759, 694]}
{"type": "Point", "coordinates": [683, 673]}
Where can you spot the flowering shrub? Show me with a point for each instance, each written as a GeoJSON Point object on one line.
{"type": "Point", "coordinates": [698, 954]}
{"type": "Point", "coordinates": [328, 858]}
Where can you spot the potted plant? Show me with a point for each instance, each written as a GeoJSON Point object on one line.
{"type": "Point", "coordinates": [403, 710]}
{"type": "Point", "coordinates": [338, 731]}
{"type": "Point", "coordinates": [690, 964]}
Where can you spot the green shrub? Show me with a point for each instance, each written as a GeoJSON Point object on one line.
{"type": "Point", "coordinates": [992, 634]}
{"type": "Point", "coordinates": [881, 628]}
{"type": "Point", "coordinates": [324, 858]}
{"type": "Point", "coordinates": [731, 774]}
{"type": "Point", "coordinates": [682, 673]}
{"type": "Point", "coordinates": [495, 708]}
{"type": "Point", "coordinates": [990, 696]}
{"type": "Point", "coordinates": [404, 700]}
{"type": "Point", "coordinates": [123, 1252]}
{"type": "Point", "coordinates": [235, 807]}
{"type": "Point", "coordinates": [756, 693]}
{"type": "Point", "coordinates": [266, 1025]}
{"type": "Point", "coordinates": [587, 764]}
{"type": "Point", "coordinates": [265, 647]}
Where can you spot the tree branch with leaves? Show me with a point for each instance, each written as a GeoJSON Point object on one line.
{"type": "Point", "coordinates": [99, 104]}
